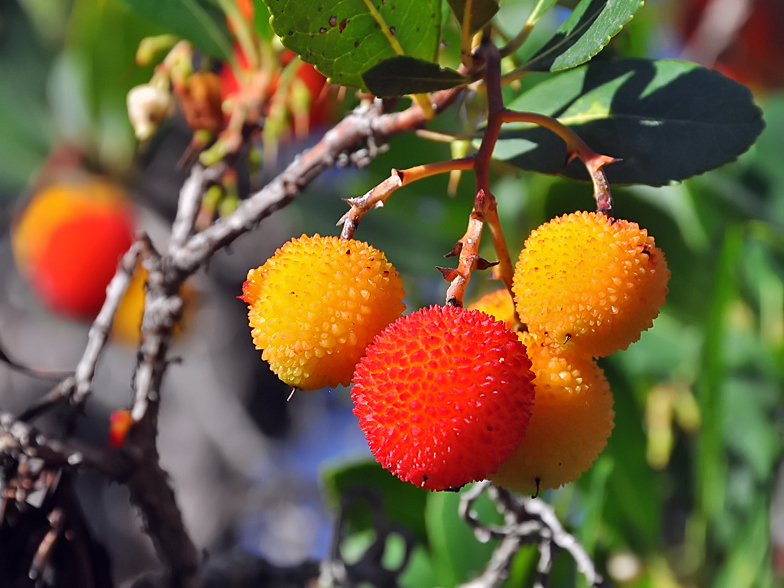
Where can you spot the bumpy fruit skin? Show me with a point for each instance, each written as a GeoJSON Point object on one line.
{"type": "Point", "coordinates": [68, 241]}
{"type": "Point", "coordinates": [570, 421]}
{"type": "Point", "coordinates": [316, 305]}
{"type": "Point", "coordinates": [443, 396]}
{"type": "Point", "coordinates": [498, 304]}
{"type": "Point", "coordinates": [584, 281]}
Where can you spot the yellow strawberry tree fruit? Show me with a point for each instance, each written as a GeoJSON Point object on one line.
{"type": "Point", "coordinates": [317, 304]}
{"type": "Point", "coordinates": [498, 304]}
{"type": "Point", "coordinates": [571, 420]}
{"type": "Point", "coordinates": [585, 281]}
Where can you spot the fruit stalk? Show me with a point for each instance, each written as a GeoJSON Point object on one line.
{"type": "Point", "coordinates": [488, 206]}
{"type": "Point", "coordinates": [575, 147]}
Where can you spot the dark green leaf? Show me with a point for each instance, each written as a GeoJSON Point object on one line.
{"type": "Point", "coordinates": [404, 503]}
{"type": "Point", "coordinates": [197, 21]}
{"type": "Point", "coordinates": [666, 119]}
{"type": "Point", "coordinates": [587, 30]}
{"type": "Point", "coordinates": [342, 38]}
{"type": "Point", "coordinates": [481, 12]}
{"type": "Point", "coordinates": [398, 76]}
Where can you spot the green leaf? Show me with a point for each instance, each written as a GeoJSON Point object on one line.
{"type": "Point", "coordinates": [667, 120]}
{"type": "Point", "coordinates": [750, 431]}
{"type": "Point", "coordinates": [587, 30]}
{"type": "Point", "coordinates": [457, 555]}
{"type": "Point", "coordinates": [342, 38]}
{"type": "Point", "coordinates": [633, 501]}
{"type": "Point", "coordinates": [261, 20]}
{"type": "Point", "coordinates": [541, 8]}
{"type": "Point", "coordinates": [197, 21]}
{"type": "Point", "coordinates": [749, 556]}
{"type": "Point", "coordinates": [482, 11]}
{"type": "Point", "coordinates": [398, 76]}
{"type": "Point", "coordinates": [404, 503]}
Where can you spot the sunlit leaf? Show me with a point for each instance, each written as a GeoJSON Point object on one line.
{"type": "Point", "coordinates": [587, 30]}
{"type": "Point", "coordinates": [344, 38]}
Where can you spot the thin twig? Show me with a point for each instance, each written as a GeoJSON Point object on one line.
{"type": "Point", "coordinates": [363, 125]}
{"type": "Point", "coordinates": [377, 196]}
{"type": "Point", "coordinates": [20, 438]}
{"type": "Point", "coordinates": [527, 521]}
{"type": "Point", "coordinates": [188, 206]}
{"type": "Point", "coordinates": [102, 325]}
{"type": "Point", "coordinates": [78, 386]}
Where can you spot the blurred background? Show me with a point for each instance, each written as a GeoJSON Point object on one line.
{"type": "Point", "coordinates": [689, 492]}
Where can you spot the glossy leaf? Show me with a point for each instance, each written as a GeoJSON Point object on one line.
{"type": "Point", "coordinates": [667, 120]}
{"type": "Point", "coordinates": [197, 21]}
{"type": "Point", "coordinates": [403, 75]}
{"type": "Point", "coordinates": [481, 12]}
{"type": "Point", "coordinates": [342, 39]}
{"type": "Point", "coordinates": [586, 32]}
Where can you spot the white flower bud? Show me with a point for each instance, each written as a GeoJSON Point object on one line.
{"type": "Point", "coordinates": [147, 106]}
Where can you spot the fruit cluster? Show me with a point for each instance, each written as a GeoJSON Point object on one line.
{"type": "Point", "coordinates": [585, 286]}
{"type": "Point", "coordinates": [446, 396]}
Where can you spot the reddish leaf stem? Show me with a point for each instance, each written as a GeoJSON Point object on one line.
{"type": "Point", "coordinates": [575, 147]}
{"type": "Point", "coordinates": [376, 197]}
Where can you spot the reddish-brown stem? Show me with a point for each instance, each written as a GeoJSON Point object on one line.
{"type": "Point", "coordinates": [376, 197]}
{"type": "Point", "coordinates": [575, 147]}
{"type": "Point", "coordinates": [469, 252]}
{"type": "Point", "coordinates": [485, 206]}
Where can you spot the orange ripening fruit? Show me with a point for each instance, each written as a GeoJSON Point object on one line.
{"type": "Point", "coordinates": [498, 304]}
{"type": "Point", "coordinates": [571, 421]}
{"type": "Point", "coordinates": [69, 240]}
{"type": "Point", "coordinates": [127, 324]}
{"type": "Point", "coordinates": [443, 396]}
{"type": "Point", "coordinates": [316, 305]}
{"type": "Point", "coordinates": [588, 282]}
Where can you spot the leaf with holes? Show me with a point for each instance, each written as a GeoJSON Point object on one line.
{"type": "Point", "coordinates": [197, 21]}
{"type": "Point", "coordinates": [666, 119]}
{"type": "Point", "coordinates": [482, 11]}
{"type": "Point", "coordinates": [398, 76]}
{"type": "Point", "coordinates": [344, 38]}
{"type": "Point", "coordinates": [586, 32]}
